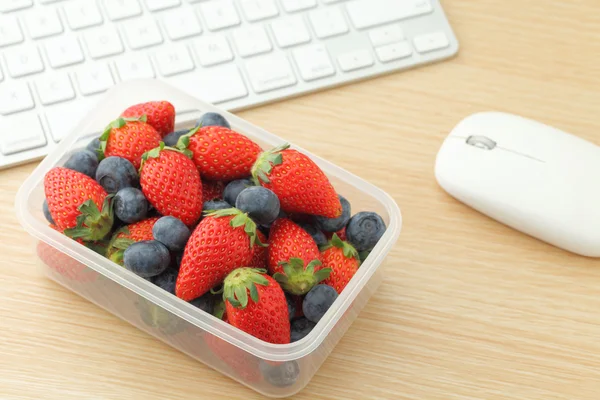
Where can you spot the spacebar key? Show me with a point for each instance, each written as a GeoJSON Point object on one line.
{"type": "Point", "coordinates": [368, 13]}
{"type": "Point", "coordinates": [214, 85]}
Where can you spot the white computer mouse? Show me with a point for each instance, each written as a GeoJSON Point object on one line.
{"type": "Point", "coordinates": [532, 177]}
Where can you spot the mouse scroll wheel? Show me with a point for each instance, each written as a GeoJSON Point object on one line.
{"type": "Point", "coordinates": [481, 142]}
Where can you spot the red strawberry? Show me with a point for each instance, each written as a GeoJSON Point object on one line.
{"type": "Point", "coordinates": [294, 258]}
{"type": "Point", "coordinates": [127, 235]}
{"type": "Point", "coordinates": [343, 260]}
{"type": "Point", "coordinates": [341, 234]}
{"type": "Point", "coordinates": [220, 153]}
{"type": "Point", "coordinates": [128, 138]}
{"type": "Point", "coordinates": [242, 363]}
{"type": "Point", "coordinates": [265, 314]}
{"type": "Point", "coordinates": [259, 254]}
{"type": "Point", "coordinates": [160, 115]}
{"type": "Point", "coordinates": [221, 242]}
{"type": "Point", "coordinates": [212, 190]}
{"type": "Point", "coordinates": [171, 183]}
{"type": "Point", "coordinates": [301, 186]}
{"type": "Point", "coordinates": [78, 204]}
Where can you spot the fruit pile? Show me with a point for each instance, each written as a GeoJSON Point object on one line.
{"type": "Point", "coordinates": [207, 213]}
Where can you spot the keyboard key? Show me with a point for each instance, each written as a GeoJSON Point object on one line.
{"type": "Point", "coordinates": [63, 51]}
{"type": "Point", "coordinates": [252, 40]}
{"type": "Point", "coordinates": [13, 5]}
{"type": "Point", "coordinates": [23, 60]}
{"type": "Point", "coordinates": [431, 41]}
{"type": "Point", "coordinates": [394, 51]}
{"type": "Point", "coordinates": [63, 118]}
{"type": "Point", "coordinates": [54, 88]}
{"type": "Point", "coordinates": [94, 78]}
{"type": "Point", "coordinates": [290, 31]}
{"type": "Point", "coordinates": [173, 60]}
{"type": "Point", "coordinates": [270, 72]}
{"type": "Point", "coordinates": [213, 50]}
{"type": "Point", "coordinates": [215, 85]}
{"type": "Point", "coordinates": [328, 22]}
{"type": "Point", "coordinates": [181, 24]}
{"type": "Point", "coordinates": [313, 62]}
{"type": "Point", "coordinates": [355, 60]}
{"type": "Point", "coordinates": [298, 5]}
{"type": "Point", "coordinates": [135, 66]}
{"type": "Point", "coordinates": [255, 10]}
{"type": "Point", "coordinates": [15, 97]}
{"type": "Point", "coordinates": [386, 35]}
{"type": "Point", "coordinates": [10, 31]}
{"type": "Point", "coordinates": [368, 13]}
{"type": "Point", "coordinates": [142, 32]}
{"type": "Point", "coordinates": [29, 134]}
{"type": "Point", "coordinates": [103, 42]}
{"type": "Point", "coordinates": [219, 14]}
{"type": "Point", "coordinates": [82, 14]}
{"type": "Point", "coordinates": [42, 23]}
{"type": "Point", "coordinates": [155, 5]}
{"type": "Point", "coordinates": [120, 9]}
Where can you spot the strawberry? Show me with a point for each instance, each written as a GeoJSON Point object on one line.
{"type": "Point", "coordinates": [242, 363]}
{"type": "Point", "coordinates": [221, 242]}
{"type": "Point", "coordinates": [294, 258]}
{"type": "Point", "coordinates": [212, 190]}
{"type": "Point", "coordinates": [220, 153]}
{"type": "Point", "coordinates": [78, 204]}
{"type": "Point", "coordinates": [128, 138]}
{"type": "Point", "coordinates": [127, 235]}
{"type": "Point", "coordinates": [343, 260]}
{"type": "Point", "coordinates": [171, 183]}
{"type": "Point", "coordinates": [259, 253]}
{"type": "Point", "coordinates": [265, 314]}
{"type": "Point", "coordinates": [301, 186]}
{"type": "Point", "coordinates": [160, 115]}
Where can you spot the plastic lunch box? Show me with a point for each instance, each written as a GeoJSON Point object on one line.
{"type": "Point", "coordinates": [181, 325]}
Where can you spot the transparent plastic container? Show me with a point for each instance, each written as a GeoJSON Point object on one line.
{"type": "Point", "coordinates": [155, 311]}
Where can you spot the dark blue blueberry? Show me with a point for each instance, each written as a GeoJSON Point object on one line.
{"type": "Point", "coordinates": [281, 375]}
{"type": "Point", "coordinates": [291, 303]}
{"type": "Point", "coordinates": [83, 161]}
{"type": "Point", "coordinates": [215, 205]}
{"type": "Point", "coordinates": [261, 204]}
{"type": "Point", "coordinates": [93, 146]}
{"type": "Point", "coordinates": [147, 258]}
{"type": "Point", "coordinates": [116, 173]}
{"type": "Point", "coordinates": [267, 227]}
{"type": "Point", "coordinates": [130, 205]}
{"type": "Point", "coordinates": [335, 224]}
{"type": "Point", "coordinates": [47, 212]}
{"type": "Point", "coordinates": [317, 235]}
{"type": "Point", "coordinates": [171, 232]}
{"type": "Point", "coordinates": [205, 302]}
{"type": "Point", "coordinates": [172, 138]}
{"type": "Point", "coordinates": [213, 119]}
{"type": "Point", "coordinates": [300, 328]}
{"type": "Point", "coordinates": [176, 260]}
{"type": "Point", "coordinates": [317, 302]}
{"type": "Point", "coordinates": [166, 280]}
{"type": "Point", "coordinates": [234, 188]}
{"type": "Point", "coordinates": [364, 230]}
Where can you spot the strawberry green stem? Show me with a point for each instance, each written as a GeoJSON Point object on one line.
{"type": "Point", "coordinates": [155, 153]}
{"type": "Point", "coordinates": [93, 224]}
{"type": "Point", "coordinates": [266, 161]}
{"type": "Point", "coordinates": [239, 219]}
{"type": "Point", "coordinates": [116, 124]}
{"type": "Point", "coordinates": [241, 281]}
{"type": "Point", "coordinates": [184, 141]}
{"type": "Point", "coordinates": [298, 280]}
{"type": "Point", "coordinates": [349, 250]}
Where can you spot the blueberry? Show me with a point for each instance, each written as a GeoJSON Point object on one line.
{"type": "Point", "coordinates": [291, 303]}
{"type": "Point", "coordinates": [166, 280]}
{"type": "Point", "coordinates": [364, 230]}
{"type": "Point", "coordinates": [261, 204]}
{"type": "Point", "coordinates": [317, 235]}
{"type": "Point", "coordinates": [281, 375]}
{"type": "Point", "coordinates": [171, 232]}
{"type": "Point", "coordinates": [205, 302]}
{"type": "Point", "coordinates": [130, 205]}
{"type": "Point", "coordinates": [47, 212]}
{"type": "Point", "coordinates": [317, 302]}
{"type": "Point", "coordinates": [116, 173]}
{"type": "Point", "coordinates": [93, 146]}
{"type": "Point", "coordinates": [300, 328]}
{"type": "Point", "coordinates": [335, 224]}
{"type": "Point", "coordinates": [213, 119]}
{"type": "Point", "coordinates": [147, 258]}
{"type": "Point", "coordinates": [83, 161]}
{"type": "Point", "coordinates": [172, 138]}
{"type": "Point", "coordinates": [234, 188]}
{"type": "Point", "coordinates": [176, 260]}
{"type": "Point", "coordinates": [215, 205]}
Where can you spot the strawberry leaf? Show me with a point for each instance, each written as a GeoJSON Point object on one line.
{"type": "Point", "coordinates": [184, 141]}
{"type": "Point", "coordinates": [297, 279]}
{"type": "Point", "coordinates": [265, 162]}
{"type": "Point", "coordinates": [239, 282]}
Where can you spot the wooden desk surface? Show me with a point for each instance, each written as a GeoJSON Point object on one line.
{"type": "Point", "coordinates": [470, 309]}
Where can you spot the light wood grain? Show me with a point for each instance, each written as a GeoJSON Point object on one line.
{"type": "Point", "coordinates": [469, 309]}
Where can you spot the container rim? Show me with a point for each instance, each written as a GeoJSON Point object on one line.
{"type": "Point", "coordinates": [156, 295]}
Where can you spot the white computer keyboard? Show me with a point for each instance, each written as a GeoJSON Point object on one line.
{"type": "Point", "coordinates": [58, 56]}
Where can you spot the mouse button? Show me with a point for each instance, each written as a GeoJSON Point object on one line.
{"type": "Point", "coordinates": [481, 142]}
